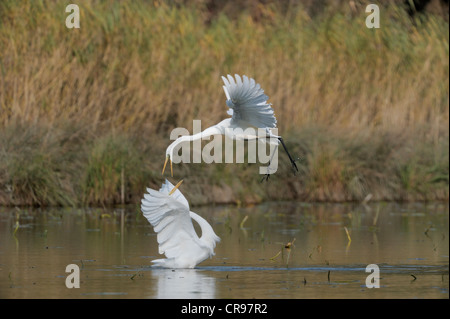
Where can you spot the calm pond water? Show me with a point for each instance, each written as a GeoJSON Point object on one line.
{"type": "Point", "coordinates": [113, 248]}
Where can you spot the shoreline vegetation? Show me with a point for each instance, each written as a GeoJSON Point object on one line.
{"type": "Point", "coordinates": [86, 114]}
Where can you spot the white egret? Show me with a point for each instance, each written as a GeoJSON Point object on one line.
{"type": "Point", "coordinates": [168, 212]}
{"type": "Point", "coordinates": [248, 109]}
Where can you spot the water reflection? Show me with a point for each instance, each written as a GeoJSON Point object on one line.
{"type": "Point", "coordinates": [183, 284]}
{"type": "Point", "coordinates": [114, 249]}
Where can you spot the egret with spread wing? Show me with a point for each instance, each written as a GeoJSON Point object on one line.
{"type": "Point", "coordinates": [168, 212]}
{"type": "Point", "coordinates": [248, 109]}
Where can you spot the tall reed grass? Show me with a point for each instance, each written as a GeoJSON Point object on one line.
{"type": "Point", "coordinates": [85, 114]}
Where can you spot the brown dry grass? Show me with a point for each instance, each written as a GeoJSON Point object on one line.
{"type": "Point", "coordinates": [136, 70]}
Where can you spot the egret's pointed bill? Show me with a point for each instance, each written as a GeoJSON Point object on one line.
{"type": "Point", "coordinates": [175, 188]}
{"type": "Point", "coordinates": [164, 167]}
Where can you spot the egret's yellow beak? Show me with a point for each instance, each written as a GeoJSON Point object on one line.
{"type": "Point", "coordinates": [175, 188]}
{"type": "Point", "coordinates": [164, 167]}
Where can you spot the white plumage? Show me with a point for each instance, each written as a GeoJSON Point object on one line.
{"type": "Point", "coordinates": [247, 102]}
{"type": "Point", "coordinates": [248, 108]}
{"type": "Point", "coordinates": [171, 219]}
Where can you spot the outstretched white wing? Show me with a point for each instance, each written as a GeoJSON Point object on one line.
{"type": "Point", "coordinates": [170, 218]}
{"type": "Point", "coordinates": [247, 102]}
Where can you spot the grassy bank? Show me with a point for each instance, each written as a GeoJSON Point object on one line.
{"type": "Point", "coordinates": [63, 166]}
{"type": "Point", "coordinates": [85, 114]}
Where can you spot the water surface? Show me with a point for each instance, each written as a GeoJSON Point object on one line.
{"type": "Point", "coordinates": [113, 248]}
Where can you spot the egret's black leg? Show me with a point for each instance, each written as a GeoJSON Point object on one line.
{"type": "Point", "coordinates": [266, 177]}
{"type": "Point", "coordinates": [287, 152]}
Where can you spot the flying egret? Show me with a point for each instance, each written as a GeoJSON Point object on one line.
{"type": "Point", "coordinates": [248, 109]}
{"type": "Point", "coordinates": [168, 212]}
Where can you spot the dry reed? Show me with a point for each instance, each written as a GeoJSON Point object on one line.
{"type": "Point", "coordinates": [93, 107]}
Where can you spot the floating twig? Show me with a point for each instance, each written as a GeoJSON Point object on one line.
{"type": "Point", "coordinates": [348, 235]}
{"type": "Point", "coordinates": [15, 229]}
{"type": "Point", "coordinates": [289, 244]}
{"type": "Point", "coordinates": [288, 248]}
{"type": "Point", "coordinates": [375, 218]}
{"type": "Point", "coordinates": [273, 258]}
{"type": "Point", "coordinates": [241, 225]}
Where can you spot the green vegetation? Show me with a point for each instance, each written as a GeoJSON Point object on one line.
{"type": "Point", "coordinates": [85, 114]}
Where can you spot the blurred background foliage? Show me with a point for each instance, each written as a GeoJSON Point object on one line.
{"type": "Point", "coordinates": [85, 114]}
